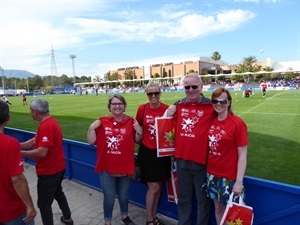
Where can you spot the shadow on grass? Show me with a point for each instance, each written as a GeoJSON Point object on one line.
{"type": "Point", "coordinates": [273, 158]}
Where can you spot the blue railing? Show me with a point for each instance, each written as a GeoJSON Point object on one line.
{"type": "Point", "coordinates": [273, 203]}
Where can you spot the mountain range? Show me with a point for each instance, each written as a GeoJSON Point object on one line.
{"type": "Point", "coordinates": [17, 73]}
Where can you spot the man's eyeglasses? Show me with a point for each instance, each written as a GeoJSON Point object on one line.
{"type": "Point", "coordinates": [194, 87]}
{"type": "Point", "coordinates": [222, 101]}
{"type": "Point", "coordinates": [153, 93]}
{"type": "Point", "coordinates": [116, 104]}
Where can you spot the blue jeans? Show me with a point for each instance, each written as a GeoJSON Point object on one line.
{"type": "Point", "coordinates": [18, 221]}
{"type": "Point", "coordinates": [49, 188]}
{"type": "Point", "coordinates": [191, 177]}
{"type": "Point", "coordinates": [114, 186]}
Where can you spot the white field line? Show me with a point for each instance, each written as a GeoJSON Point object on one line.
{"type": "Point", "coordinates": [284, 114]}
{"type": "Point", "coordinates": [250, 110]}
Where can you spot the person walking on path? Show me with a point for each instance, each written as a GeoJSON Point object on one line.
{"type": "Point", "coordinates": [115, 136]}
{"type": "Point", "coordinates": [227, 158]}
{"type": "Point", "coordinates": [193, 115]}
{"type": "Point", "coordinates": [154, 170]}
{"type": "Point", "coordinates": [16, 206]}
{"type": "Point", "coordinates": [47, 149]}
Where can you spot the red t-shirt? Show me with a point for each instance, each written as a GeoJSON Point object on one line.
{"type": "Point", "coordinates": [224, 139]}
{"type": "Point", "coordinates": [49, 135]}
{"type": "Point", "coordinates": [193, 121]}
{"type": "Point", "coordinates": [145, 115]}
{"type": "Point", "coordinates": [263, 86]}
{"type": "Point", "coordinates": [115, 146]}
{"type": "Point", "coordinates": [11, 165]}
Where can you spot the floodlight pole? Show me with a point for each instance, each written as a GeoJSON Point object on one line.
{"type": "Point", "coordinates": [72, 57]}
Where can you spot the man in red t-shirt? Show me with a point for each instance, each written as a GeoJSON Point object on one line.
{"type": "Point", "coordinates": [16, 205]}
{"type": "Point", "coordinates": [263, 86]}
{"type": "Point", "coordinates": [193, 115]}
{"type": "Point", "coordinates": [50, 162]}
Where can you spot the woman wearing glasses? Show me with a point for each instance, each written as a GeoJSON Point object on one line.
{"type": "Point", "coordinates": [154, 170]}
{"type": "Point", "coordinates": [115, 136]}
{"type": "Point", "coordinates": [227, 159]}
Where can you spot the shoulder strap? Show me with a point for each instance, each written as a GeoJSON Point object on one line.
{"type": "Point", "coordinates": [143, 113]}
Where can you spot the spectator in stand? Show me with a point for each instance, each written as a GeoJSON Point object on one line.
{"type": "Point", "coordinates": [193, 115]}
{"type": "Point", "coordinates": [154, 170]}
{"type": "Point", "coordinates": [47, 149]}
{"type": "Point", "coordinates": [16, 206]}
{"type": "Point", "coordinates": [115, 136]}
{"type": "Point", "coordinates": [227, 158]}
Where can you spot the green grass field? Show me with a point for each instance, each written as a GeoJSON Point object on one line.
{"type": "Point", "coordinates": [273, 125]}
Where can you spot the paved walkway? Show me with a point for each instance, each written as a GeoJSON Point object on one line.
{"type": "Point", "coordinates": [86, 204]}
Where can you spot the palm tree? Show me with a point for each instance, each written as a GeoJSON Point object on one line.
{"type": "Point", "coordinates": [106, 76]}
{"type": "Point", "coordinates": [248, 65]}
{"type": "Point", "coordinates": [129, 75]}
{"type": "Point", "coordinates": [216, 57]}
{"type": "Point", "coordinates": [115, 76]}
{"type": "Point", "coordinates": [97, 78]}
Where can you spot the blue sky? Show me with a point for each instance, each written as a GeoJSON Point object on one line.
{"type": "Point", "coordinates": [106, 34]}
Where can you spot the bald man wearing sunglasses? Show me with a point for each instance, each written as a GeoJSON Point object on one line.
{"type": "Point", "coordinates": [193, 115]}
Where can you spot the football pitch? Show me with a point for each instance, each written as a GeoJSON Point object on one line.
{"type": "Point", "coordinates": [273, 125]}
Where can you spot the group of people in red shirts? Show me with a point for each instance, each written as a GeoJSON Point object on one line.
{"type": "Point", "coordinates": [200, 122]}
{"type": "Point", "coordinates": [46, 147]}
{"type": "Point", "coordinates": [210, 154]}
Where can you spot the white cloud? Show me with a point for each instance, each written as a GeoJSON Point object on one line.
{"type": "Point", "coordinates": [182, 26]}
{"type": "Point", "coordinates": [29, 28]}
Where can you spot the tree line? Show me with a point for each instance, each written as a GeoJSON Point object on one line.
{"type": "Point", "coordinates": [49, 83]}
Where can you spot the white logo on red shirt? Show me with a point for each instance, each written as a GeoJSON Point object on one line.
{"type": "Point", "coordinates": [45, 139]}
{"type": "Point", "coordinates": [216, 136]}
{"type": "Point", "coordinates": [187, 125]}
{"type": "Point", "coordinates": [152, 129]}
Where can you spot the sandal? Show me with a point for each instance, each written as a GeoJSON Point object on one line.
{"type": "Point", "coordinates": [158, 222]}
{"type": "Point", "coordinates": [152, 222]}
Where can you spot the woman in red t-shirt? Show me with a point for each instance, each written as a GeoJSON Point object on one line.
{"type": "Point", "coordinates": [227, 159]}
{"type": "Point", "coordinates": [115, 136]}
{"type": "Point", "coordinates": [154, 170]}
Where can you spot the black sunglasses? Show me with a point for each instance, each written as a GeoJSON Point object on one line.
{"type": "Point", "coordinates": [194, 87]}
{"type": "Point", "coordinates": [222, 101]}
{"type": "Point", "coordinates": [153, 93]}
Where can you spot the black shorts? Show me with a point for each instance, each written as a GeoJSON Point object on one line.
{"type": "Point", "coordinates": [153, 168]}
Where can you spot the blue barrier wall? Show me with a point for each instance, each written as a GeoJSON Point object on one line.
{"type": "Point", "coordinates": [273, 203]}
